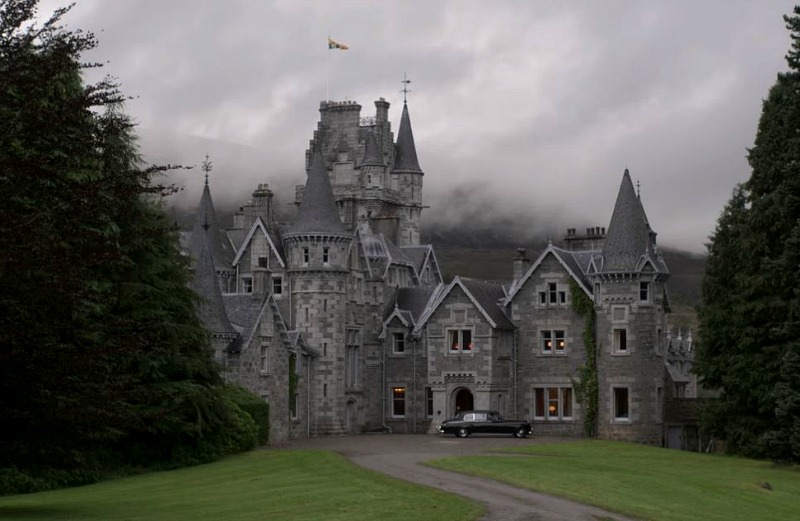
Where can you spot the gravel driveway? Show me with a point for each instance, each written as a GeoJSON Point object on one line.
{"type": "Point", "coordinates": [399, 455]}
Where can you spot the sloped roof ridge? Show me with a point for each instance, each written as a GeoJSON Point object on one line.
{"type": "Point", "coordinates": [405, 150]}
{"type": "Point", "coordinates": [317, 212]}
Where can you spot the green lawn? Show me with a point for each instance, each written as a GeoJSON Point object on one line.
{"type": "Point", "coordinates": [259, 485]}
{"type": "Point", "coordinates": [647, 482]}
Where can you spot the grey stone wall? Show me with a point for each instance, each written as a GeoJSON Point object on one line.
{"type": "Point", "coordinates": [539, 368]}
{"type": "Point", "coordinates": [639, 368]}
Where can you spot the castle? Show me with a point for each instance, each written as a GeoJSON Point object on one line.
{"type": "Point", "coordinates": [341, 321]}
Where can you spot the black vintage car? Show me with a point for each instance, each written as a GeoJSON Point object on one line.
{"type": "Point", "coordinates": [480, 422]}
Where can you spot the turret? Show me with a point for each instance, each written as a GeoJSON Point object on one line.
{"type": "Point", "coordinates": [407, 180]}
{"type": "Point", "coordinates": [317, 247]}
{"type": "Point", "coordinates": [630, 305]}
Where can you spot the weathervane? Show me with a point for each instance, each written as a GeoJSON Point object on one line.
{"type": "Point", "coordinates": [405, 81]}
{"type": "Point", "coordinates": [206, 166]}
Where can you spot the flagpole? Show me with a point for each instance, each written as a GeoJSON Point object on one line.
{"type": "Point", "coordinates": [328, 74]}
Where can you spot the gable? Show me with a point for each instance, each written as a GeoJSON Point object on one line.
{"type": "Point", "coordinates": [257, 233]}
{"type": "Point", "coordinates": [548, 261]}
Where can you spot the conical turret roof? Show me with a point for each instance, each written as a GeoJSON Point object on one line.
{"type": "Point", "coordinates": [628, 237]}
{"type": "Point", "coordinates": [372, 152]}
{"type": "Point", "coordinates": [206, 230]}
{"type": "Point", "coordinates": [405, 151]}
{"type": "Point", "coordinates": [211, 308]}
{"type": "Point", "coordinates": [317, 212]}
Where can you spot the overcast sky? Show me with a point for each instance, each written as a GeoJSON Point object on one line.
{"type": "Point", "coordinates": [528, 108]}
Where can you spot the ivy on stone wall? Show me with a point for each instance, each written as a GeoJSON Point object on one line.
{"type": "Point", "coordinates": [586, 390]}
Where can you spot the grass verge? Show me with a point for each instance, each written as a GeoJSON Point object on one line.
{"type": "Point", "coordinates": [646, 482]}
{"type": "Point", "coordinates": [285, 485]}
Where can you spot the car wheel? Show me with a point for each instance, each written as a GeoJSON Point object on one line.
{"type": "Point", "coordinates": [521, 432]}
{"type": "Point", "coordinates": [462, 432]}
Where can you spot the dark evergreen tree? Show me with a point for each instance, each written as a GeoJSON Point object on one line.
{"type": "Point", "coordinates": [750, 317]}
{"type": "Point", "coordinates": [102, 359]}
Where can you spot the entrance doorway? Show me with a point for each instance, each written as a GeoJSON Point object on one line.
{"type": "Point", "coordinates": [464, 400]}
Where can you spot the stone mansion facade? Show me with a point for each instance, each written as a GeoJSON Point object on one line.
{"type": "Point", "coordinates": [341, 321]}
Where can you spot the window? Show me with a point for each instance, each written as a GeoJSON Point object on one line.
{"type": "Point", "coordinates": [562, 297]}
{"type": "Point", "coordinates": [644, 291]}
{"type": "Point", "coordinates": [621, 340]}
{"type": "Point", "coordinates": [398, 343]}
{"type": "Point", "coordinates": [263, 262]}
{"type": "Point", "coordinates": [552, 403]}
{"type": "Point", "coordinates": [657, 346]}
{"type": "Point", "coordinates": [621, 406]}
{"type": "Point", "coordinates": [542, 297]}
{"type": "Point", "coordinates": [460, 339]}
{"type": "Point", "coordinates": [659, 404]}
{"type": "Point", "coordinates": [293, 396]}
{"type": "Point", "coordinates": [353, 342]}
{"type": "Point", "coordinates": [247, 284]}
{"type": "Point", "coordinates": [305, 257]}
{"type": "Point", "coordinates": [429, 402]}
{"type": "Point", "coordinates": [293, 400]}
{"type": "Point", "coordinates": [553, 341]}
{"type": "Point", "coordinates": [398, 402]}
{"type": "Point", "coordinates": [264, 362]}
{"type": "Point", "coordinates": [277, 286]}
{"type": "Point", "coordinates": [551, 290]}
{"type": "Point", "coordinates": [326, 256]}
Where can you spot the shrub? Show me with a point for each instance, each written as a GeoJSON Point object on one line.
{"type": "Point", "coordinates": [257, 408]}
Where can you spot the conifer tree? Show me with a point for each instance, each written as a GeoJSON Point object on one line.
{"type": "Point", "coordinates": [750, 317]}
{"type": "Point", "coordinates": [103, 361]}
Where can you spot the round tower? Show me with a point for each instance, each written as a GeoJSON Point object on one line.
{"type": "Point", "coordinates": [630, 308]}
{"type": "Point", "coordinates": [407, 181]}
{"type": "Point", "coordinates": [317, 247]}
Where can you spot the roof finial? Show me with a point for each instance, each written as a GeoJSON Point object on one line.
{"type": "Point", "coordinates": [405, 81]}
{"type": "Point", "coordinates": [206, 166]}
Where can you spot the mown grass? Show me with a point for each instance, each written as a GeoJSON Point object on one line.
{"type": "Point", "coordinates": [646, 482]}
{"type": "Point", "coordinates": [279, 485]}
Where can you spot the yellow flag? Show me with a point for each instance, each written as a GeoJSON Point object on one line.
{"type": "Point", "coordinates": [333, 44]}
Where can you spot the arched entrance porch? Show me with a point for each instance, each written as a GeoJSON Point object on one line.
{"type": "Point", "coordinates": [463, 400]}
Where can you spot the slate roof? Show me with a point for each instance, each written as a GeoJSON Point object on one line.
{"type": "Point", "coordinates": [405, 155]}
{"type": "Point", "coordinates": [243, 309]}
{"type": "Point", "coordinates": [382, 253]}
{"type": "Point", "coordinates": [630, 240]}
{"type": "Point", "coordinates": [416, 255]}
{"type": "Point", "coordinates": [414, 300]}
{"type": "Point", "coordinates": [372, 152]}
{"type": "Point", "coordinates": [206, 218]}
{"type": "Point", "coordinates": [211, 309]}
{"type": "Point", "coordinates": [489, 296]}
{"type": "Point", "coordinates": [317, 212]}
